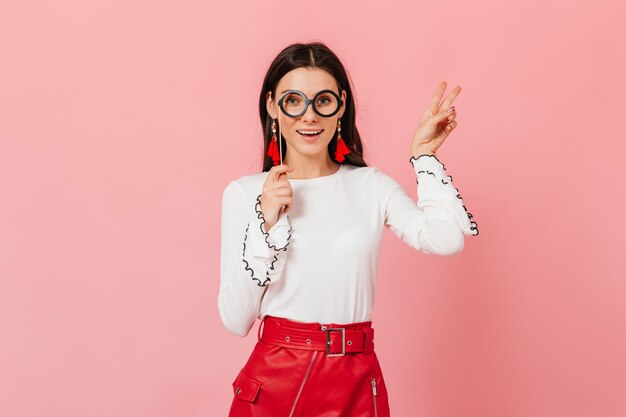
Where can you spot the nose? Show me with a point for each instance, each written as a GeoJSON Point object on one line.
{"type": "Point", "coordinates": [309, 114]}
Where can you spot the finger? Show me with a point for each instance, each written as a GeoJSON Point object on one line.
{"type": "Point", "coordinates": [281, 188]}
{"type": "Point", "coordinates": [433, 106]}
{"type": "Point", "coordinates": [283, 181]}
{"type": "Point", "coordinates": [277, 188]}
{"type": "Point", "coordinates": [284, 202]}
{"type": "Point", "coordinates": [276, 170]}
{"type": "Point", "coordinates": [445, 115]}
{"type": "Point", "coordinates": [451, 126]}
{"type": "Point", "coordinates": [447, 102]}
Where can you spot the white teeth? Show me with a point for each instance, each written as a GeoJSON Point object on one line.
{"type": "Point", "coordinates": [309, 133]}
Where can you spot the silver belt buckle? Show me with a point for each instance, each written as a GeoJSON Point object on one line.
{"type": "Point", "coordinates": [343, 340]}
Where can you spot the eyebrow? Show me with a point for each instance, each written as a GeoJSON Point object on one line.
{"type": "Point", "coordinates": [315, 93]}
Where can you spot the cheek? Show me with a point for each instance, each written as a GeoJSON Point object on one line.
{"type": "Point", "coordinates": [330, 128]}
{"type": "Point", "coordinates": [288, 131]}
{"type": "Point", "coordinates": [288, 127]}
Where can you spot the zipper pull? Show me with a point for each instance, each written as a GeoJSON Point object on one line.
{"type": "Point", "coordinates": [374, 386]}
{"type": "Point", "coordinates": [324, 327]}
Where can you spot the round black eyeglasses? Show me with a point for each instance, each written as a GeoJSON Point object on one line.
{"type": "Point", "coordinates": [294, 103]}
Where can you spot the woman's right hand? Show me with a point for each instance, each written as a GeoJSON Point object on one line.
{"type": "Point", "coordinates": [276, 194]}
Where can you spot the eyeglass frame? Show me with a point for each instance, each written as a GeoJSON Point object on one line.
{"type": "Point", "coordinates": [308, 101]}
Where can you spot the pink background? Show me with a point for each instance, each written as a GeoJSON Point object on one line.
{"type": "Point", "coordinates": [122, 121]}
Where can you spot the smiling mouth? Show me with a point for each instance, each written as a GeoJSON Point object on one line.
{"type": "Point", "coordinates": [310, 133]}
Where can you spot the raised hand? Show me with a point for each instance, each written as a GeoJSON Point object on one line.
{"type": "Point", "coordinates": [276, 193]}
{"type": "Point", "coordinates": [436, 122]}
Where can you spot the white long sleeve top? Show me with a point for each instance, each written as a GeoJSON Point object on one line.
{"type": "Point", "coordinates": [318, 262]}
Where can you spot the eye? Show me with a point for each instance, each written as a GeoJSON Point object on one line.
{"type": "Point", "coordinates": [292, 99]}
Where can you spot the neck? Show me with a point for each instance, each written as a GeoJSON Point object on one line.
{"type": "Point", "coordinates": [307, 168]}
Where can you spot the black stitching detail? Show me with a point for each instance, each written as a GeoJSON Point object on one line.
{"type": "Point", "coordinates": [416, 158]}
{"type": "Point", "coordinates": [428, 172]}
{"type": "Point", "coordinates": [247, 265]}
{"type": "Point", "coordinates": [257, 208]}
{"type": "Point", "coordinates": [266, 234]}
{"type": "Point", "coordinates": [473, 224]}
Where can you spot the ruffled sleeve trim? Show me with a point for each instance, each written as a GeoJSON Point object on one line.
{"type": "Point", "coordinates": [277, 238]}
{"type": "Point", "coordinates": [262, 281]}
{"type": "Point", "coordinates": [430, 165]}
{"type": "Point", "coordinates": [263, 255]}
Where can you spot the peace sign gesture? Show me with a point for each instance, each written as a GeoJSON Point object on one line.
{"type": "Point", "coordinates": [436, 123]}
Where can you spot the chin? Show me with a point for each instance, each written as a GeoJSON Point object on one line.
{"type": "Point", "coordinates": [307, 148]}
{"type": "Point", "coordinates": [310, 149]}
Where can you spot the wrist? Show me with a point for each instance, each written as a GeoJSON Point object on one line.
{"type": "Point", "coordinates": [418, 152]}
{"type": "Point", "coordinates": [267, 225]}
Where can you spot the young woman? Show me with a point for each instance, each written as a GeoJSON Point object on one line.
{"type": "Point", "coordinates": [309, 275]}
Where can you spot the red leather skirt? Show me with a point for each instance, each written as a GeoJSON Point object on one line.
{"type": "Point", "coordinates": [311, 369]}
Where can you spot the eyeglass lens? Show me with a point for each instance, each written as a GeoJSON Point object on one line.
{"type": "Point", "coordinates": [326, 104]}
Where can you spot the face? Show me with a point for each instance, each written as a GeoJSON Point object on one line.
{"type": "Point", "coordinates": [310, 81]}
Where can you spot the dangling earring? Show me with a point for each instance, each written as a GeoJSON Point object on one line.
{"type": "Point", "coordinates": [342, 149]}
{"type": "Point", "coordinates": [272, 151]}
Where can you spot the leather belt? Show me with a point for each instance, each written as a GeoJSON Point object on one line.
{"type": "Point", "coordinates": [333, 339]}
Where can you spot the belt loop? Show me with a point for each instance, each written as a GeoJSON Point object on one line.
{"type": "Point", "coordinates": [369, 337]}
{"type": "Point", "coordinates": [259, 330]}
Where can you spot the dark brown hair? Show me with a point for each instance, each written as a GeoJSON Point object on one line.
{"type": "Point", "coordinates": [311, 55]}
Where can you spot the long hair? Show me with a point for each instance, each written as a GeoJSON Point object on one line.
{"type": "Point", "coordinates": [311, 55]}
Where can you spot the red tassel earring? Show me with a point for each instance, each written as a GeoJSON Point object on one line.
{"type": "Point", "coordinates": [272, 151]}
{"type": "Point", "coordinates": [342, 149]}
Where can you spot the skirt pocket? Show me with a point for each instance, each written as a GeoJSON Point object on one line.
{"type": "Point", "coordinates": [246, 388]}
